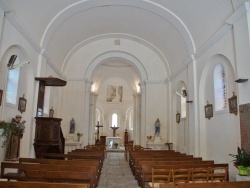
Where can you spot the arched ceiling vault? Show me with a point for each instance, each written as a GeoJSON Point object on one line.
{"type": "Point", "coordinates": [174, 29]}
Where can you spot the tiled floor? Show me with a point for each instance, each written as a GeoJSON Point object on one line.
{"type": "Point", "coordinates": [116, 172]}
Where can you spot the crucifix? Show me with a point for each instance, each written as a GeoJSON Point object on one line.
{"type": "Point", "coordinates": [114, 130]}
{"type": "Point", "coordinates": [98, 126]}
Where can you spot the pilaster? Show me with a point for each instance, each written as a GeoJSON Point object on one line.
{"type": "Point", "coordinates": [86, 119]}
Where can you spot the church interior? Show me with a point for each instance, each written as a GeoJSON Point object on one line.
{"type": "Point", "coordinates": [160, 74]}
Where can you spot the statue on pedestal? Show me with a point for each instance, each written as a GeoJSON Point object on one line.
{"type": "Point", "coordinates": [17, 128]}
{"type": "Point", "coordinates": [72, 126]}
{"type": "Point", "coordinates": [157, 126]}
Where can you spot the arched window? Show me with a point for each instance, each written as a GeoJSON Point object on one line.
{"type": "Point", "coordinates": [131, 117]}
{"type": "Point", "coordinates": [98, 115]}
{"type": "Point", "coordinates": [12, 84]}
{"type": "Point", "coordinates": [219, 88]}
{"type": "Point", "coordinates": [114, 120]}
{"type": "Point", "coordinates": [183, 103]}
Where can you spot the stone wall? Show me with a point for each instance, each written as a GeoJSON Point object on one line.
{"type": "Point", "coordinates": [245, 126]}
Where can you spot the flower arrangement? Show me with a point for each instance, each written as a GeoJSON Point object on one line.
{"type": "Point", "coordinates": [241, 161]}
{"type": "Point", "coordinates": [116, 145]}
{"type": "Point", "coordinates": [149, 137]}
{"type": "Point", "coordinates": [79, 135]}
{"type": "Point", "coordinates": [6, 132]}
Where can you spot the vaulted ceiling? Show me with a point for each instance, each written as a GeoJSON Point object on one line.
{"type": "Point", "coordinates": [176, 29]}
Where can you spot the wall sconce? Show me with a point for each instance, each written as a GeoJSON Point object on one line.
{"type": "Point", "coordinates": [241, 80]}
{"type": "Point", "coordinates": [189, 101]}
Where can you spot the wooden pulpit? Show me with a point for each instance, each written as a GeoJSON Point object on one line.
{"type": "Point", "coordinates": [48, 136]}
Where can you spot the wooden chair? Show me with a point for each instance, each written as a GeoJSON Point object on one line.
{"type": "Point", "coordinates": [200, 174]}
{"type": "Point", "coordinates": [181, 175]}
{"type": "Point", "coordinates": [161, 176]}
{"type": "Point", "coordinates": [219, 174]}
{"type": "Point", "coordinates": [138, 147]}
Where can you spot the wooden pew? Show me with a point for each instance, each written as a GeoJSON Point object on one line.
{"type": "Point", "coordinates": [131, 153]}
{"type": "Point", "coordinates": [135, 166]}
{"type": "Point", "coordinates": [239, 184]}
{"type": "Point", "coordinates": [88, 153]}
{"type": "Point", "coordinates": [135, 158]}
{"type": "Point", "coordinates": [145, 172]}
{"type": "Point", "coordinates": [49, 172]}
{"type": "Point", "coordinates": [71, 156]}
{"type": "Point", "coordinates": [82, 162]}
{"type": "Point", "coordinates": [170, 162]}
{"type": "Point", "coordinates": [150, 155]}
{"type": "Point", "coordinates": [24, 184]}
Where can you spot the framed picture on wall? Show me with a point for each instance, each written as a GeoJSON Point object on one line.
{"type": "Point", "coordinates": [178, 117]}
{"type": "Point", "coordinates": [22, 104]}
{"type": "Point", "coordinates": [233, 107]}
{"type": "Point", "coordinates": [1, 96]}
{"type": "Point", "coordinates": [208, 111]}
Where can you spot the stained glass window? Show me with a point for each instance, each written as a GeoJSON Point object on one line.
{"type": "Point", "coordinates": [219, 88]}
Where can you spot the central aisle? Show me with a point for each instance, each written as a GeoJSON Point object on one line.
{"type": "Point", "coordinates": [116, 172]}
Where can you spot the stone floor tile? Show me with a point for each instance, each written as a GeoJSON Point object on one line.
{"type": "Point", "coordinates": [116, 172]}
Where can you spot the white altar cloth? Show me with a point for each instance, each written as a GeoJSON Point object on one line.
{"type": "Point", "coordinates": [111, 140]}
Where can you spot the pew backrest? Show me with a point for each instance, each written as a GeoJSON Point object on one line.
{"type": "Point", "coordinates": [24, 184]}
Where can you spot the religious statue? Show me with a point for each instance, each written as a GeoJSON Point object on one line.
{"type": "Point", "coordinates": [72, 126]}
{"type": "Point", "coordinates": [157, 126]}
{"type": "Point", "coordinates": [17, 129]}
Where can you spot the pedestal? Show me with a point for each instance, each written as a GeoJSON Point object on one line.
{"type": "Point", "coordinates": [157, 146]}
{"type": "Point", "coordinates": [242, 178]}
{"type": "Point", "coordinates": [69, 146]}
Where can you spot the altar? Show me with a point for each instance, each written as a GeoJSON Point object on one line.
{"type": "Point", "coordinates": [110, 141]}
{"type": "Point", "coordinates": [71, 145]}
{"type": "Point", "coordinates": [72, 142]}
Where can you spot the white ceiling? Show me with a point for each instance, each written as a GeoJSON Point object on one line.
{"type": "Point", "coordinates": [176, 28]}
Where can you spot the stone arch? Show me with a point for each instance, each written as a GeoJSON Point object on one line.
{"type": "Point", "coordinates": [125, 57]}
{"type": "Point", "coordinates": [205, 76]}
{"type": "Point", "coordinates": [27, 88]}
{"type": "Point", "coordinates": [12, 50]}
{"type": "Point", "coordinates": [121, 36]}
{"type": "Point", "coordinates": [130, 59]}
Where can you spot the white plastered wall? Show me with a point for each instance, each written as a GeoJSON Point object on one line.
{"type": "Point", "coordinates": [220, 135]}
{"type": "Point", "coordinates": [12, 42]}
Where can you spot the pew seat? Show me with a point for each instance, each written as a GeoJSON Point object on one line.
{"type": "Point", "coordinates": [24, 184]}
{"type": "Point", "coordinates": [239, 184]}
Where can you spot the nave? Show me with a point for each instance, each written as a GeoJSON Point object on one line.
{"type": "Point", "coordinates": [116, 172]}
